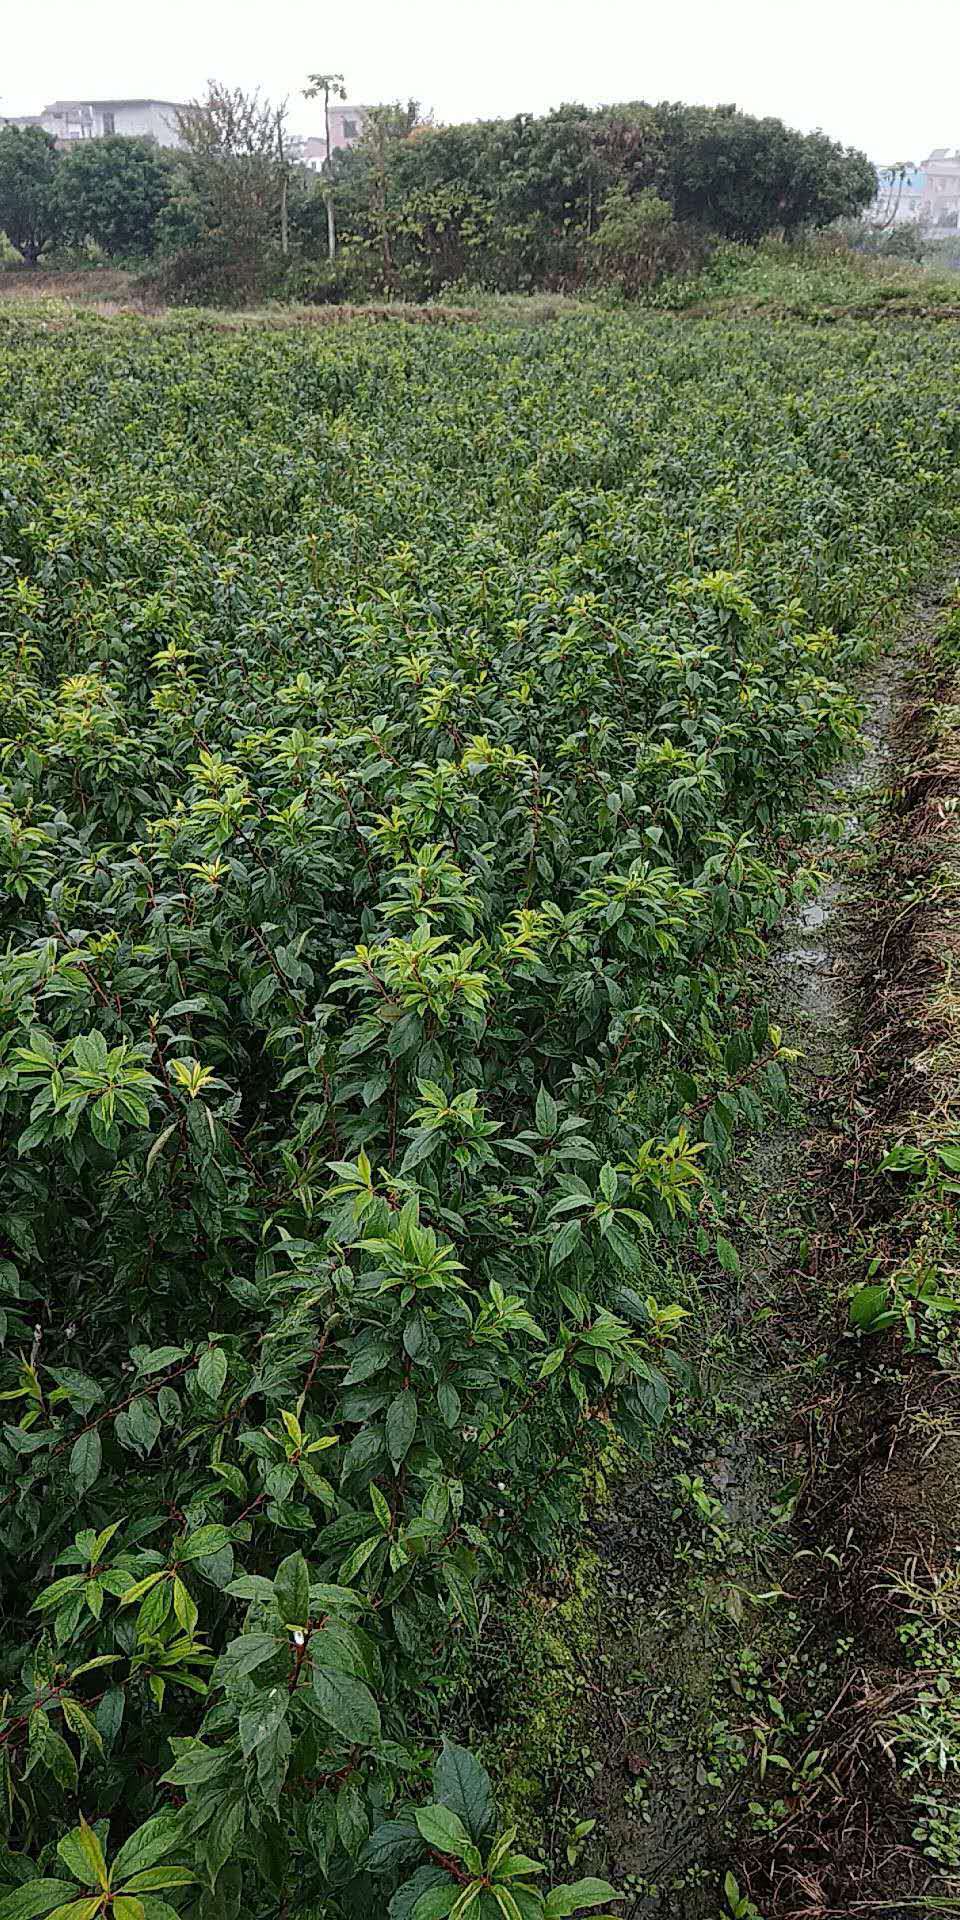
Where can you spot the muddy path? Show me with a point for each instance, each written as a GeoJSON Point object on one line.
{"type": "Point", "coordinates": [720, 1647]}
{"type": "Point", "coordinates": [874, 1827]}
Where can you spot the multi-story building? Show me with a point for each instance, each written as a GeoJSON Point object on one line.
{"type": "Point", "coordinates": [346, 127]}
{"type": "Point", "coordinates": [71, 120]}
{"type": "Point", "coordinates": [927, 196]}
{"type": "Point", "coordinates": [940, 202]}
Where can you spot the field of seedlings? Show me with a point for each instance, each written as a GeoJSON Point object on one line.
{"type": "Point", "coordinates": [409, 738]}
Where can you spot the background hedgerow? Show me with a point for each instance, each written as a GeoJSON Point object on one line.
{"type": "Point", "coordinates": [406, 740]}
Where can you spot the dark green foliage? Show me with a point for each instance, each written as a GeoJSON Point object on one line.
{"type": "Point", "coordinates": [508, 204]}
{"type": "Point", "coordinates": [405, 734]}
{"type": "Point", "coordinates": [742, 177]}
{"type": "Point", "coordinates": [29, 214]}
{"type": "Point", "coordinates": [113, 192]}
{"type": "Point", "coordinates": [514, 204]}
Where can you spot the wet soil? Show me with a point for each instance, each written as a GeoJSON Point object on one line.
{"type": "Point", "coordinates": [692, 1611]}
{"type": "Point", "coordinates": [881, 1513]}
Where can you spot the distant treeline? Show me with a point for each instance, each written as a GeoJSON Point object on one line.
{"type": "Point", "coordinates": [617, 194]}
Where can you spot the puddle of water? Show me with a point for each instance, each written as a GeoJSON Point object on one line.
{"type": "Point", "coordinates": [812, 915]}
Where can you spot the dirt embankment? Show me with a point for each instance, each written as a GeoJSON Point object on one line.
{"type": "Point", "coordinates": [877, 1827]}
{"type": "Point", "coordinates": [113, 290]}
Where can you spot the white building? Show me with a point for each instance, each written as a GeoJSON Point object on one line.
{"type": "Point", "coordinates": [940, 206]}
{"type": "Point", "coordinates": [70, 120]}
{"type": "Point", "coordinates": [927, 196]}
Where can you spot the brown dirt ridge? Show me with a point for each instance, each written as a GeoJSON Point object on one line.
{"type": "Point", "coordinates": [878, 1526]}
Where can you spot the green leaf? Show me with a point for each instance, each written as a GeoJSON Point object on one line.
{"type": "Point", "coordinates": [404, 1902]}
{"type": "Point", "coordinates": [369, 1361]}
{"type": "Point", "coordinates": [625, 1249]}
{"type": "Point", "coordinates": [443, 1830]}
{"type": "Point", "coordinates": [140, 1587]}
{"type": "Point", "coordinates": [401, 1425]}
{"type": "Point", "coordinates": [727, 1255]}
{"type": "Point", "coordinates": [82, 1909]}
{"type": "Point", "coordinates": [421, 1147]}
{"type": "Point", "coordinates": [322, 1828]}
{"type": "Point", "coordinates": [158, 1359]}
{"type": "Point", "coordinates": [153, 1878]}
{"type": "Point", "coordinates": [436, 1903]}
{"type": "Point", "coordinates": [448, 1401]}
{"type": "Point", "coordinates": [579, 1894]}
{"type": "Point", "coordinates": [565, 1242]}
{"type": "Point", "coordinates": [867, 1305]}
{"type": "Point", "coordinates": [110, 1715]}
{"type": "Point", "coordinates": [463, 1785]}
{"type": "Point", "coordinates": [514, 1866]}
{"type": "Point", "coordinates": [359, 1557]}
{"type": "Point", "coordinates": [380, 1507]}
{"type": "Point", "coordinates": [353, 1822]}
{"type": "Point", "coordinates": [184, 1606]}
{"type": "Point", "coordinates": [85, 1457]}
{"type": "Point", "coordinates": [249, 1651]}
{"type": "Point", "coordinates": [206, 1540]}
{"type": "Point", "coordinates": [139, 1426]}
{"type": "Point", "coordinates": [545, 1114]}
{"type": "Point", "coordinates": [195, 1766]}
{"type": "Point", "coordinates": [52, 1751]}
{"type": "Point", "coordinates": [36, 1897]}
{"type": "Point", "coordinates": [393, 1843]}
{"type": "Point", "coordinates": [260, 1720]}
{"type": "Point", "coordinates": [506, 1903]}
{"type": "Point", "coordinates": [466, 1899]}
{"type": "Point", "coordinates": [81, 1851]}
{"type": "Point", "coordinates": [347, 1706]}
{"type": "Point", "coordinates": [81, 1724]}
{"type": "Point", "coordinates": [292, 1587]}
{"type": "Point", "coordinates": [212, 1372]}
{"type": "Point", "coordinates": [461, 1593]}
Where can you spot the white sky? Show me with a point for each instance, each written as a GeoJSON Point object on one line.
{"type": "Point", "coordinates": [880, 74]}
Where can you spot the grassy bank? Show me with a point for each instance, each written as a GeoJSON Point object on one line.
{"type": "Point", "coordinates": [819, 277]}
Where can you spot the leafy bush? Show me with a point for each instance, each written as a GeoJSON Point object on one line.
{"type": "Point", "coordinates": [638, 241]}
{"type": "Point", "coordinates": [113, 192]}
{"type": "Point", "coordinates": [405, 739]}
{"type": "Point", "coordinates": [515, 204]}
{"type": "Point", "coordinates": [214, 272]}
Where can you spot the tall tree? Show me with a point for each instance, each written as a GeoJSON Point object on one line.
{"type": "Point", "coordinates": [386, 130]}
{"type": "Point", "coordinates": [29, 211]}
{"type": "Point", "coordinates": [233, 160]}
{"type": "Point", "coordinates": [333, 87]}
{"type": "Point", "coordinates": [113, 191]}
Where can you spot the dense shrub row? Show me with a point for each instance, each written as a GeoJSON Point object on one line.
{"type": "Point", "coordinates": [404, 738]}
{"type": "Point", "coordinates": [616, 195]}
{"type": "Point", "coordinates": [625, 193]}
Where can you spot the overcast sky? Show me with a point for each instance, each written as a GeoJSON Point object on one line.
{"type": "Point", "coordinates": [879, 74]}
